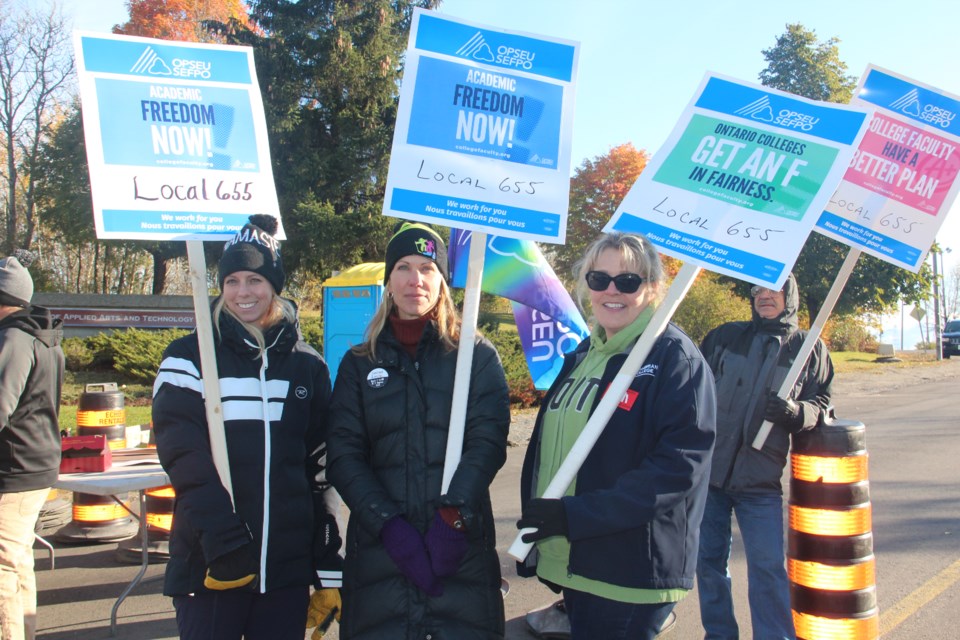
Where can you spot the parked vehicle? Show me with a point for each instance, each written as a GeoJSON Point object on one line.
{"type": "Point", "coordinates": [951, 339]}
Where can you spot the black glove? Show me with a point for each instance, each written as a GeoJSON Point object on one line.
{"type": "Point", "coordinates": [553, 586]}
{"type": "Point", "coordinates": [548, 517]}
{"type": "Point", "coordinates": [233, 569]}
{"type": "Point", "coordinates": [783, 412]}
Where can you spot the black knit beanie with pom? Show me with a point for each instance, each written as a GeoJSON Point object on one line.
{"type": "Point", "coordinates": [254, 248]}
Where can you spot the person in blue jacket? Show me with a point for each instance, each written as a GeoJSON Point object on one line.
{"type": "Point", "coordinates": [244, 569]}
{"type": "Point", "coordinates": [622, 543]}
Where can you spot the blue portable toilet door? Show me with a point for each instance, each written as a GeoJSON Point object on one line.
{"type": "Point", "coordinates": [347, 311]}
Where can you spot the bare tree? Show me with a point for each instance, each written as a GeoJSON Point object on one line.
{"type": "Point", "coordinates": [36, 74]}
{"type": "Point", "coordinates": [951, 293]}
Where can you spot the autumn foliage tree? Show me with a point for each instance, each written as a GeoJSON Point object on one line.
{"type": "Point", "coordinates": [184, 20]}
{"type": "Point", "coordinates": [596, 190]}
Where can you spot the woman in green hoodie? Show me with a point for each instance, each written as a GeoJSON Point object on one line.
{"type": "Point", "coordinates": [622, 543]}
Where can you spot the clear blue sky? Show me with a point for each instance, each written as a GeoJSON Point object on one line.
{"type": "Point", "coordinates": [641, 61]}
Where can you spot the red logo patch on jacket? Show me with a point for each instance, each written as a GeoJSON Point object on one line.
{"type": "Point", "coordinates": [627, 400]}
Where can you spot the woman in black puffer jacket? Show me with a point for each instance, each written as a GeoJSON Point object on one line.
{"type": "Point", "coordinates": [418, 564]}
{"type": "Point", "coordinates": [242, 568]}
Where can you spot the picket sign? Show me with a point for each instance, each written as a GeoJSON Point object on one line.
{"type": "Point", "coordinates": [811, 340]}
{"type": "Point", "coordinates": [208, 363]}
{"type": "Point", "coordinates": [611, 398]}
{"type": "Point", "coordinates": [461, 382]}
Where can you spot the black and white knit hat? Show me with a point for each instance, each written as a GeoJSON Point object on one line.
{"type": "Point", "coordinates": [254, 249]}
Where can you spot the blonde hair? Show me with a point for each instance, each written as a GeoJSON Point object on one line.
{"type": "Point", "coordinates": [444, 313]}
{"type": "Point", "coordinates": [637, 254]}
{"type": "Point", "coordinates": [280, 309]}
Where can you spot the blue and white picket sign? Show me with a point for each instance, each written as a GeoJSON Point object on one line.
{"type": "Point", "coordinates": [483, 131]}
{"type": "Point", "coordinates": [742, 178]}
{"type": "Point", "coordinates": [902, 179]}
{"type": "Point", "coordinates": [176, 138]}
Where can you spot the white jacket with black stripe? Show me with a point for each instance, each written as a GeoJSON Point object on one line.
{"type": "Point", "coordinates": [274, 407]}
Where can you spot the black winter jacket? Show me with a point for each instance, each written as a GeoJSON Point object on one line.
{"type": "Point", "coordinates": [276, 460]}
{"type": "Point", "coordinates": [31, 377]}
{"type": "Point", "coordinates": [750, 360]}
{"type": "Point", "coordinates": [634, 520]}
{"type": "Point", "coordinates": [388, 434]}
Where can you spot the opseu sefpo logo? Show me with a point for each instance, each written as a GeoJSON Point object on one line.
{"type": "Point", "coordinates": [514, 57]}
{"type": "Point", "coordinates": [151, 63]}
{"type": "Point", "coordinates": [478, 48]}
{"type": "Point", "coordinates": [762, 110]}
{"type": "Point", "coordinates": [909, 103]}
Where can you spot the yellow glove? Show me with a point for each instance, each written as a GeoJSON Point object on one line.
{"type": "Point", "coordinates": [324, 606]}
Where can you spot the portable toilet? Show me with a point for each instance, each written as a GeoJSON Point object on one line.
{"type": "Point", "coordinates": [350, 299]}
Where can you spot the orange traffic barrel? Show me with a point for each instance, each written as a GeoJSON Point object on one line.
{"type": "Point", "coordinates": [55, 512]}
{"type": "Point", "coordinates": [100, 411]}
{"type": "Point", "coordinates": [830, 561]}
{"type": "Point", "coordinates": [159, 521]}
{"type": "Point", "coordinates": [98, 519]}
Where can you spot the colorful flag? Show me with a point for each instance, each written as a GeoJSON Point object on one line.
{"type": "Point", "coordinates": [548, 321]}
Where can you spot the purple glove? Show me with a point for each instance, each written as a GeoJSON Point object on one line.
{"type": "Point", "coordinates": [407, 550]}
{"type": "Point", "coordinates": [446, 545]}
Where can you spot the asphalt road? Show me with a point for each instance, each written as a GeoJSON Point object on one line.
{"type": "Point", "coordinates": [913, 438]}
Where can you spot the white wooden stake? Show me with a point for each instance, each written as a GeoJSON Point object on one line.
{"type": "Point", "coordinates": [611, 398]}
{"type": "Point", "coordinates": [208, 363]}
{"type": "Point", "coordinates": [811, 340]}
{"type": "Point", "coordinates": [461, 383]}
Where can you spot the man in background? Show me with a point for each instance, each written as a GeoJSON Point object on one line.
{"type": "Point", "coordinates": [31, 377]}
{"type": "Point", "coordinates": [750, 361]}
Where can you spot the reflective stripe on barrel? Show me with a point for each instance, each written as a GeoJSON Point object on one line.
{"type": "Point", "coordinates": [830, 562]}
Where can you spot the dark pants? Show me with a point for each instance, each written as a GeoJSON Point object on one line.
{"type": "Point", "coordinates": [596, 618]}
{"type": "Point", "coordinates": [231, 615]}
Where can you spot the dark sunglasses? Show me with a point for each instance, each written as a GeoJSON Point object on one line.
{"type": "Point", "coordinates": [625, 282]}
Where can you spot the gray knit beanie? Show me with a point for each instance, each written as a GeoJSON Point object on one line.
{"type": "Point", "coordinates": [16, 285]}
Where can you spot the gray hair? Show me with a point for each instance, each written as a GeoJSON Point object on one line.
{"type": "Point", "coordinates": [636, 252]}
